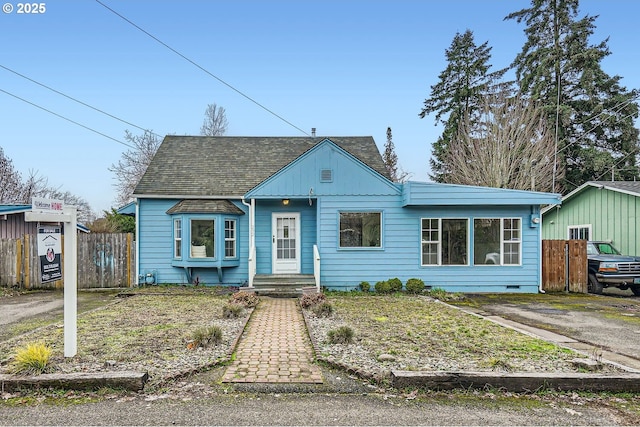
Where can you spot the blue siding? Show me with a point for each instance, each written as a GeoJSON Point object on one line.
{"type": "Point", "coordinates": [301, 178]}
{"type": "Point", "coordinates": [435, 194]}
{"type": "Point", "coordinates": [401, 253]}
{"type": "Point", "coordinates": [264, 210]}
{"type": "Point", "coordinates": [155, 231]}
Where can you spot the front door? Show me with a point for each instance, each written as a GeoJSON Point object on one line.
{"type": "Point", "coordinates": [285, 230]}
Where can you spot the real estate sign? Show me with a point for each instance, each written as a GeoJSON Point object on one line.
{"type": "Point", "coordinates": [49, 252]}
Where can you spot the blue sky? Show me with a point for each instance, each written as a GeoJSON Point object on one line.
{"type": "Point", "coordinates": [345, 67]}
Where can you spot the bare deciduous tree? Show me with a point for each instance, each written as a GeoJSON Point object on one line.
{"type": "Point", "coordinates": [10, 181]}
{"type": "Point", "coordinates": [133, 164]}
{"type": "Point", "coordinates": [215, 121]}
{"type": "Point", "coordinates": [510, 147]}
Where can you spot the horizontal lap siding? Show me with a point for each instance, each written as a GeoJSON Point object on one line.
{"type": "Point", "coordinates": [401, 253]}
{"type": "Point", "coordinates": [156, 247]}
{"type": "Point", "coordinates": [264, 211]}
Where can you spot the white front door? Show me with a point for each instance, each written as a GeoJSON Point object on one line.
{"type": "Point", "coordinates": [285, 230]}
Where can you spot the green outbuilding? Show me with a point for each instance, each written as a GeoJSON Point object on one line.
{"type": "Point", "coordinates": [598, 210]}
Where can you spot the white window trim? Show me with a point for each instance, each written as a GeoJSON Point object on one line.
{"type": "Point", "coordinates": [502, 241]}
{"type": "Point", "coordinates": [360, 248]}
{"type": "Point", "coordinates": [177, 241]}
{"type": "Point", "coordinates": [577, 227]}
{"type": "Point", "coordinates": [234, 239]}
{"type": "Point", "coordinates": [439, 242]}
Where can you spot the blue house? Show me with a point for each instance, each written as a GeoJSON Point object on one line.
{"type": "Point", "coordinates": [242, 210]}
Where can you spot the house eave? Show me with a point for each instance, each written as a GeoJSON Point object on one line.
{"type": "Point", "coordinates": [187, 196]}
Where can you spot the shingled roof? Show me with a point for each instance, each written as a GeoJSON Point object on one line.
{"type": "Point", "coordinates": [221, 166]}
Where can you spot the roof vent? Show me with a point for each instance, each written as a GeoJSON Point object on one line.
{"type": "Point", "coordinates": [326, 175]}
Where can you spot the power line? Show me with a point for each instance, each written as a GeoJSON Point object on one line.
{"type": "Point", "coordinates": [201, 68]}
{"type": "Point", "coordinates": [78, 101]}
{"type": "Point", "coordinates": [67, 119]}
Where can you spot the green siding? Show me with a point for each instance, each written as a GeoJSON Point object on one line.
{"type": "Point", "coordinates": [613, 216]}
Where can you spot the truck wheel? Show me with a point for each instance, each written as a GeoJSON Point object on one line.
{"type": "Point", "coordinates": [636, 290]}
{"type": "Point", "coordinates": [594, 286]}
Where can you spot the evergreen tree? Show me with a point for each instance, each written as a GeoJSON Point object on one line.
{"type": "Point", "coordinates": [459, 91]}
{"type": "Point", "coordinates": [591, 111]}
{"type": "Point", "coordinates": [390, 157]}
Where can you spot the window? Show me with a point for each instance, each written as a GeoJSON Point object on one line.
{"type": "Point", "coordinates": [444, 241]}
{"type": "Point", "coordinates": [497, 241]}
{"type": "Point", "coordinates": [229, 238]}
{"type": "Point", "coordinates": [581, 232]}
{"type": "Point", "coordinates": [360, 229]}
{"type": "Point", "coordinates": [177, 238]}
{"type": "Point", "coordinates": [202, 238]}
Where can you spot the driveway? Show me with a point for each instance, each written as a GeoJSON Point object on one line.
{"type": "Point", "coordinates": [608, 324]}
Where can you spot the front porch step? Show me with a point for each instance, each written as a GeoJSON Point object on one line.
{"type": "Point", "coordinates": [281, 285]}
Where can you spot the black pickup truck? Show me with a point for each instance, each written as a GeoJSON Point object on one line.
{"type": "Point", "coordinates": [609, 268]}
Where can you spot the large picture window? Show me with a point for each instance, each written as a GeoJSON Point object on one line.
{"type": "Point", "coordinates": [360, 229]}
{"type": "Point", "coordinates": [445, 241]}
{"type": "Point", "coordinates": [497, 241]}
{"type": "Point", "coordinates": [202, 238]}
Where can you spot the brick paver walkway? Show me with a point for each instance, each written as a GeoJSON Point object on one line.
{"type": "Point", "coordinates": [275, 347]}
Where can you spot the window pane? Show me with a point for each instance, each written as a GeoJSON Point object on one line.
{"type": "Point", "coordinates": [454, 242]}
{"type": "Point", "coordinates": [360, 229]}
{"type": "Point", "coordinates": [177, 235]}
{"type": "Point", "coordinates": [202, 238]}
{"type": "Point", "coordinates": [230, 238]}
{"type": "Point", "coordinates": [486, 241]}
{"type": "Point", "coordinates": [511, 233]}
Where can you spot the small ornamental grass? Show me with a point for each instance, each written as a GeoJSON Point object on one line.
{"type": "Point", "coordinates": [205, 336]}
{"type": "Point", "coordinates": [32, 359]}
{"type": "Point", "coordinates": [232, 310]}
{"type": "Point", "coordinates": [322, 309]}
{"type": "Point", "coordinates": [340, 335]}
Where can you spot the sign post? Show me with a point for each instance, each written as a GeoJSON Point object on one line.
{"type": "Point", "coordinates": [45, 210]}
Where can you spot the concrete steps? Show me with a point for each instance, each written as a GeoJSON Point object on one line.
{"type": "Point", "coordinates": [282, 285]}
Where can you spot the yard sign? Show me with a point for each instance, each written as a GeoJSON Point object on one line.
{"type": "Point", "coordinates": [49, 252]}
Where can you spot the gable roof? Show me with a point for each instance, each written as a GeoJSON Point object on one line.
{"type": "Point", "coordinates": [626, 187]}
{"type": "Point", "coordinates": [221, 166]}
{"type": "Point", "coordinates": [205, 206]}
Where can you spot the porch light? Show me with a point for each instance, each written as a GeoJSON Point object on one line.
{"type": "Point", "coordinates": [285, 202]}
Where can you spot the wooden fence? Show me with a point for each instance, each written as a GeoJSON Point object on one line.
{"type": "Point", "coordinates": [104, 261]}
{"type": "Point", "coordinates": [564, 266]}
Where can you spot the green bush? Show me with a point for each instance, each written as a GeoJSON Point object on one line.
{"type": "Point", "coordinates": [309, 300]}
{"type": "Point", "coordinates": [206, 336]}
{"type": "Point", "coordinates": [395, 284]}
{"type": "Point", "coordinates": [322, 309]}
{"type": "Point", "coordinates": [245, 298]}
{"type": "Point", "coordinates": [32, 359]}
{"type": "Point", "coordinates": [232, 310]}
{"type": "Point", "coordinates": [341, 335]}
{"type": "Point", "coordinates": [365, 286]}
{"type": "Point", "coordinates": [383, 287]}
{"type": "Point", "coordinates": [415, 286]}
{"type": "Point", "coordinates": [438, 293]}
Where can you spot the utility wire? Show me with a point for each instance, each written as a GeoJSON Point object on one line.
{"type": "Point", "coordinates": [67, 119]}
{"type": "Point", "coordinates": [201, 68]}
{"type": "Point", "coordinates": [78, 101]}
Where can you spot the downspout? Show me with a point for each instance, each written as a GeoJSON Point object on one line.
{"type": "Point", "coordinates": [251, 261]}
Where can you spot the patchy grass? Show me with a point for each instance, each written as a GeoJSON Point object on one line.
{"type": "Point", "coordinates": [427, 335]}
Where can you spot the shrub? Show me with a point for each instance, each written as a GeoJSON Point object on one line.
{"type": "Point", "coordinates": [341, 335]}
{"type": "Point", "coordinates": [365, 286]}
{"type": "Point", "coordinates": [232, 310]}
{"type": "Point", "coordinates": [245, 298]}
{"type": "Point", "coordinates": [206, 336]}
{"type": "Point", "coordinates": [383, 287]}
{"type": "Point", "coordinates": [32, 359]}
{"type": "Point", "coordinates": [438, 293]}
{"type": "Point", "coordinates": [415, 286]}
{"type": "Point", "coordinates": [322, 309]}
{"type": "Point", "coordinates": [309, 300]}
{"type": "Point", "coordinates": [395, 285]}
